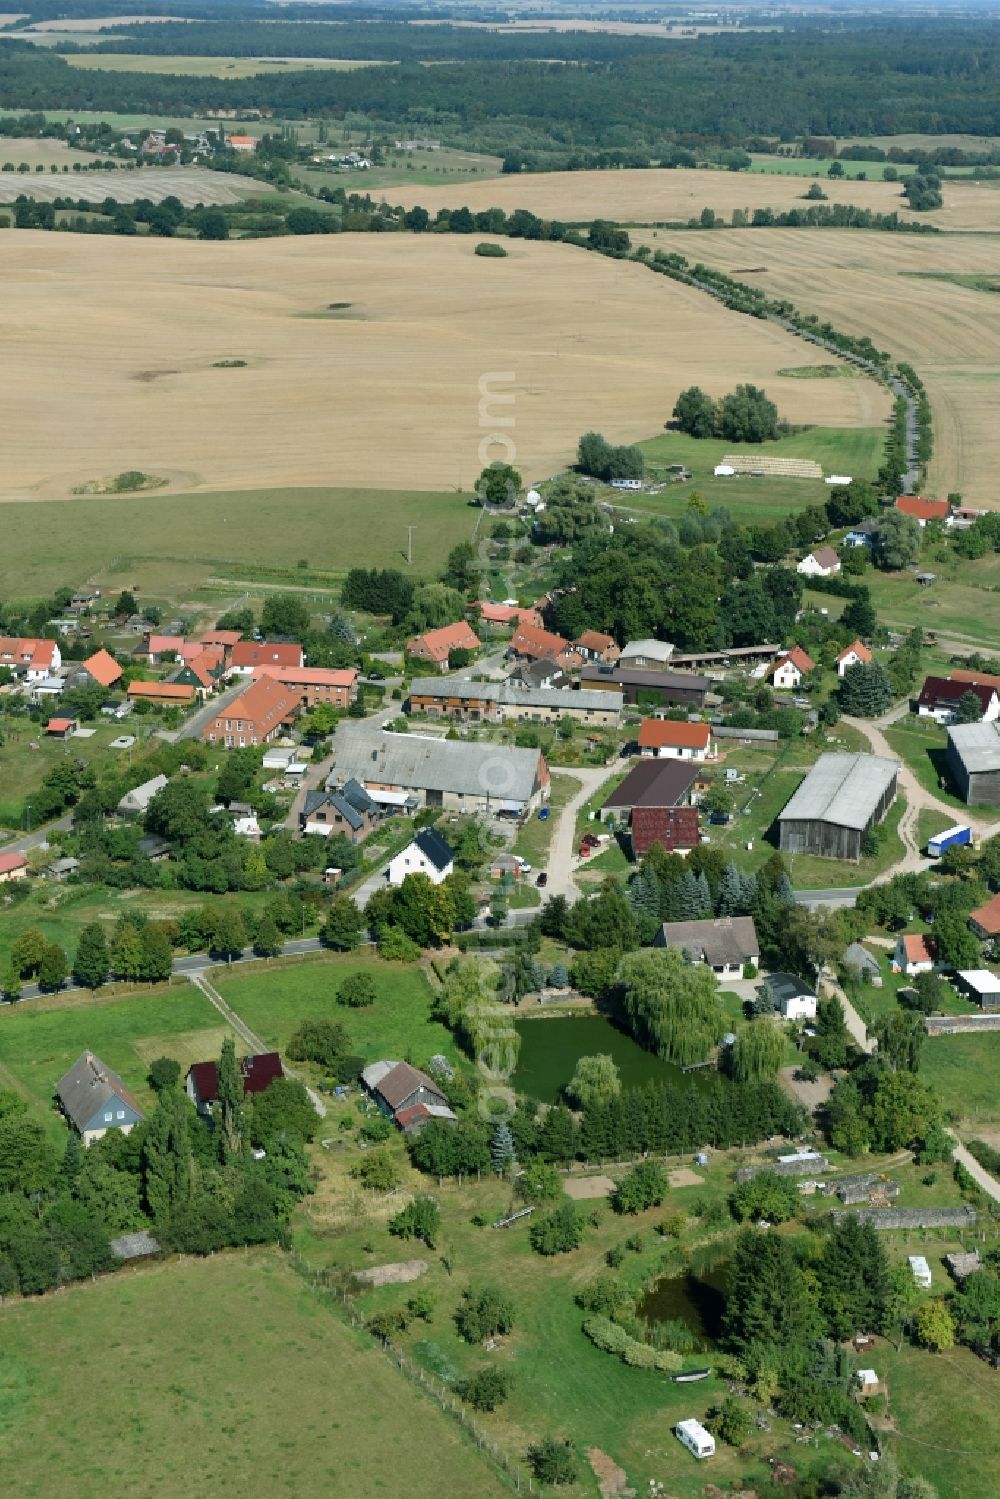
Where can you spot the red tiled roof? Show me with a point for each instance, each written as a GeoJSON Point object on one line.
{"type": "Point", "coordinates": [27, 651]}
{"type": "Point", "coordinates": [267, 653]}
{"type": "Point", "coordinates": [538, 644]}
{"type": "Point", "coordinates": [798, 658]}
{"type": "Point", "coordinates": [662, 733]}
{"type": "Point", "coordinates": [10, 862]}
{"type": "Point", "coordinates": [861, 651]}
{"type": "Point", "coordinates": [593, 640]}
{"type": "Point", "coordinates": [309, 676]}
{"type": "Point", "coordinates": [59, 725]}
{"type": "Point", "coordinates": [437, 645]}
{"type": "Point", "coordinates": [202, 666]}
{"type": "Point", "coordinates": [225, 638]}
{"type": "Point", "coordinates": [975, 676]}
{"type": "Point", "coordinates": [672, 827]}
{"type": "Point", "coordinates": [259, 1072]}
{"type": "Point", "coordinates": [988, 917]}
{"type": "Point", "coordinates": [103, 667]}
{"type": "Point", "coordinates": [916, 948]}
{"type": "Point", "coordinates": [174, 692]}
{"type": "Point", "coordinates": [157, 645]}
{"type": "Point", "coordinates": [912, 504]}
{"type": "Point", "coordinates": [265, 704]}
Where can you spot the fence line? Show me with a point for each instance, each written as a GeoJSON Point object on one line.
{"type": "Point", "coordinates": [321, 1283]}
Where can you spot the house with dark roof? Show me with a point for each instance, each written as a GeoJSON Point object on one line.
{"type": "Point", "coordinates": [791, 996]}
{"type": "Point", "coordinates": [405, 1094]}
{"type": "Point", "coordinates": [940, 696]}
{"type": "Point", "coordinates": [656, 803]}
{"type": "Point", "coordinates": [726, 945]}
{"type": "Point", "coordinates": [258, 1074]}
{"type": "Point", "coordinates": [95, 1100]}
{"type": "Point", "coordinates": [973, 756]}
{"type": "Point", "coordinates": [349, 810]}
{"type": "Point", "coordinates": [428, 854]}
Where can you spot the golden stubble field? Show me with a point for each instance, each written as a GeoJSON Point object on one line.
{"type": "Point", "coordinates": [655, 196]}
{"type": "Point", "coordinates": [365, 358]}
{"type": "Point", "coordinates": [884, 285]}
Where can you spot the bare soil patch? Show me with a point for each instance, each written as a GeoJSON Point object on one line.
{"type": "Point", "coordinates": [586, 1188]}
{"type": "Point", "coordinates": [810, 1095]}
{"type": "Point", "coordinates": [682, 1177]}
{"type": "Point", "coordinates": [612, 1479]}
{"type": "Point", "coordinates": [399, 1274]}
{"type": "Point", "coordinates": [393, 400]}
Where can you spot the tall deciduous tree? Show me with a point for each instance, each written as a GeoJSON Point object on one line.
{"type": "Point", "coordinates": [230, 1109]}
{"type": "Point", "coordinates": [673, 1006]}
{"type": "Point", "coordinates": [92, 962]}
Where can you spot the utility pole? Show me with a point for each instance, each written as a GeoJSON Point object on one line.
{"type": "Point", "coordinates": [409, 545]}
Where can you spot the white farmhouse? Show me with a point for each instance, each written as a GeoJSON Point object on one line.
{"type": "Point", "coordinates": [428, 854]}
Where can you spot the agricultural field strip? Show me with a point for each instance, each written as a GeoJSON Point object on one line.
{"type": "Point", "coordinates": [583, 337]}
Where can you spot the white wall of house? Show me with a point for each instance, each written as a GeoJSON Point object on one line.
{"type": "Point", "coordinates": [810, 568]}
{"type": "Point", "coordinates": [901, 964]}
{"type": "Point", "coordinates": [787, 675]}
{"type": "Point", "coordinates": [799, 1007]}
{"type": "Point", "coordinates": [851, 659]}
{"type": "Point", "coordinates": [413, 861]}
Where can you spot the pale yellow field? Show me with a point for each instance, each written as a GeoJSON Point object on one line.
{"type": "Point", "coordinates": [209, 67]}
{"type": "Point", "coordinates": [41, 153]}
{"type": "Point", "coordinates": [651, 197]}
{"type": "Point", "coordinates": [107, 348]}
{"type": "Point", "coordinates": [100, 23]}
{"type": "Point", "coordinates": [865, 283]}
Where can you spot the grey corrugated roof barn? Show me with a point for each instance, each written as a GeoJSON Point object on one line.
{"type": "Point", "coordinates": [468, 775]}
{"type": "Point", "coordinates": [835, 805]}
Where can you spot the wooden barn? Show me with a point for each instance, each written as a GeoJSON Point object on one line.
{"type": "Point", "coordinates": [841, 798]}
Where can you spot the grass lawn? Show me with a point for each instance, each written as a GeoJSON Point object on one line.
{"type": "Point", "coordinates": [229, 1358]}
{"type": "Point", "coordinates": [964, 1070]}
{"type": "Point", "coordinates": [274, 1001]}
{"type": "Point", "coordinates": [921, 743]}
{"type": "Point", "coordinates": [41, 1038]}
{"type": "Point", "coordinates": [947, 1427]}
{"type": "Point", "coordinates": [22, 768]}
{"type": "Point", "coordinates": [930, 823]}
{"type": "Point", "coordinates": [960, 605]}
{"type": "Point", "coordinates": [844, 450]}
{"type": "Point", "coordinates": [276, 527]}
{"type": "Point", "coordinates": [816, 169]}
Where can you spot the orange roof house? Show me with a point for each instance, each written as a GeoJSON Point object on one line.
{"type": "Point", "coordinates": [533, 644]}
{"type": "Point", "coordinates": [855, 654]}
{"type": "Point", "coordinates": [985, 920]}
{"type": "Point", "coordinates": [257, 716]}
{"type": "Point", "coordinates": [667, 739]}
{"type": "Point", "coordinates": [437, 645]}
{"type": "Point", "coordinates": [922, 510]}
{"type": "Point", "coordinates": [248, 654]}
{"type": "Point", "coordinates": [103, 667]}
{"type": "Point", "coordinates": [36, 657]}
{"type": "Point", "coordinates": [316, 684]}
{"type": "Point", "coordinates": [162, 692]}
{"type": "Point", "coordinates": [504, 614]}
{"type": "Point", "coordinates": [790, 667]}
{"type": "Point", "coordinates": [914, 954]}
{"type": "Point", "coordinates": [595, 646]}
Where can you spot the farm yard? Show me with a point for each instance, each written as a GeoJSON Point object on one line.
{"type": "Point", "coordinates": [582, 337]}
{"type": "Point", "coordinates": [887, 286]}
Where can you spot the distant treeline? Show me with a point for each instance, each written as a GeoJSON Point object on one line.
{"type": "Point", "coordinates": [862, 77]}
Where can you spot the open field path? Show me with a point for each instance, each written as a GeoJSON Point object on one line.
{"type": "Point", "coordinates": [201, 981]}
{"type": "Point", "coordinates": [979, 1174]}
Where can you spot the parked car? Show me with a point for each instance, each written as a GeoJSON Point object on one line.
{"type": "Point", "coordinates": [591, 840]}
{"type": "Point", "coordinates": [376, 676]}
{"type": "Point", "coordinates": [542, 879]}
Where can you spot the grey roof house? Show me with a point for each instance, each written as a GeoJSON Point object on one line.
{"type": "Point", "coordinates": [725, 945]}
{"type": "Point", "coordinates": [858, 957]}
{"type": "Point", "coordinates": [135, 802]}
{"type": "Point", "coordinates": [350, 811]}
{"type": "Point", "coordinates": [94, 1099]}
{"type": "Point", "coordinates": [405, 1094]}
{"type": "Point", "coordinates": [396, 769]}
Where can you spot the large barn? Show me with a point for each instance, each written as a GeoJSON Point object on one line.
{"type": "Point", "coordinates": [841, 798]}
{"type": "Point", "coordinates": [974, 761]}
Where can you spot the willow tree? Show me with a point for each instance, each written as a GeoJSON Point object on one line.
{"type": "Point", "coordinates": [673, 1005]}
{"type": "Point", "coordinates": [758, 1051]}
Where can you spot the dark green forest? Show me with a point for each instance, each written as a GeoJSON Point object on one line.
{"type": "Point", "coordinates": [860, 77]}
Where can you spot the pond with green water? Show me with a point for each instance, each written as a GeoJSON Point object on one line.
{"type": "Point", "coordinates": [552, 1045]}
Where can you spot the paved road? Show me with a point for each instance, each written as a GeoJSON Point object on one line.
{"type": "Point", "coordinates": [40, 836]}
{"type": "Point", "coordinates": [563, 857]}
{"type": "Point", "coordinates": [832, 896]}
{"type": "Point", "coordinates": [979, 1174]}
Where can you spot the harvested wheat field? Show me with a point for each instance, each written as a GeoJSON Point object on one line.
{"type": "Point", "coordinates": [644, 197]}
{"type": "Point", "coordinates": [365, 356]}
{"type": "Point", "coordinates": [192, 185]}
{"type": "Point", "coordinates": [888, 286]}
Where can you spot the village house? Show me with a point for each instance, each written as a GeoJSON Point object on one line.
{"type": "Point", "coordinates": [913, 954]}
{"type": "Point", "coordinates": [428, 854]}
{"type": "Point", "coordinates": [416, 770]}
{"type": "Point", "coordinates": [246, 144]}
{"type": "Point", "coordinates": [350, 812]}
{"type": "Point", "coordinates": [135, 803]}
{"type": "Point", "coordinates": [529, 643]}
{"type": "Point", "coordinates": [202, 672]}
{"type": "Point", "coordinates": [257, 716]}
{"type": "Point", "coordinates": [669, 740]}
{"type": "Point", "coordinates": [862, 535]}
{"type": "Point", "coordinates": [160, 648]}
{"type": "Point", "coordinates": [985, 920]}
{"type": "Point", "coordinates": [726, 945]}
{"type": "Point", "coordinates": [315, 684]}
{"type": "Point", "coordinates": [822, 562]}
{"type": "Point", "coordinates": [168, 694]}
{"type": "Point", "coordinates": [922, 511]}
{"type": "Point", "coordinates": [791, 996]}
{"type": "Point", "coordinates": [505, 616]}
{"type": "Point", "coordinates": [940, 696]}
{"type": "Point", "coordinates": [544, 673]}
{"type": "Point", "coordinates": [655, 802]}
{"type": "Point", "coordinates": [646, 655]}
{"type": "Point", "coordinates": [855, 654]}
{"type": "Point", "coordinates": [258, 1073]}
{"type": "Point", "coordinates": [593, 646]}
{"type": "Point", "coordinates": [437, 645]}
{"type": "Point", "coordinates": [102, 668]}
{"type": "Point", "coordinates": [12, 867]}
{"type": "Point", "coordinates": [500, 702]}
{"type": "Point", "coordinates": [30, 658]}
{"type": "Point", "coordinates": [61, 728]}
{"type": "Point", "coordinates": [95, 1100]}
{"type": "Point", "coordinates": [643, 686]}
{"type": "Point", "coordinates": [405, 1094]}
{"type": "Point", "coordinates": [248, 656]}
{"type": "Point", "coordinates": [787, 672]}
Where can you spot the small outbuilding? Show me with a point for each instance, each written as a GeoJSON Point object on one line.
{"type": "Point", "coordinates": [793, 998]}
{"type": "Point", "coordinates": [920, 1270]}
